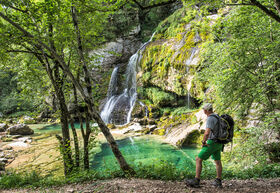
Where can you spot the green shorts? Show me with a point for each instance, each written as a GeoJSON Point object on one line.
{"type": "Point", "coordinates": [213, 149]}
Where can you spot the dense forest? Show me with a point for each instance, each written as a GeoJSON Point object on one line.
{"type": "Point", "coordinates": [95, 89]}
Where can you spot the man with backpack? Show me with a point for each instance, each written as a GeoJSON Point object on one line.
{"type": "Point", "coordinates": [210, 147]}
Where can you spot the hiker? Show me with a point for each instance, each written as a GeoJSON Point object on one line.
{"type": "Point", "coordinates": [209, 148]}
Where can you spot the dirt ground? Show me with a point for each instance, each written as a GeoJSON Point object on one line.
{"type": "Point", "coordinates": [157, 186]}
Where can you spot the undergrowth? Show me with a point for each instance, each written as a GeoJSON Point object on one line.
{"type": "Point", "coordinates": [161, 170]}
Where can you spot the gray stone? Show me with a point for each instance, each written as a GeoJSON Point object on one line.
{"type": "Point", "coordinates": [3, 127]}
{"type": "Point", "coordinates": [3, 160]}
{"type": "Point", "coordinates": [25, 139]}
{"type": "Point", "coordinates": [2, 166]}
{"type": "Point", "coordinates": [20, 129]}
{"type": "Point", "coordinates": [113, 52]}
{"type": "Point", "coordinates": [15, 136]}
{"type": "Point", "coordinates": [151, 127]}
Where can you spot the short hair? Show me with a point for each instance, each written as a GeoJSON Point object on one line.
{"type": "Point", "coordinates": [208, 107]}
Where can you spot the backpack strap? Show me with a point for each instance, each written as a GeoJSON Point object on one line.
{"type": "Point", "coordinates": [215, 115]}
{"type": "Point", "coordinates": [219, 125]}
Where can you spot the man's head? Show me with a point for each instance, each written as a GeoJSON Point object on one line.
{"type": "Point", "coordinates": [208, 108]}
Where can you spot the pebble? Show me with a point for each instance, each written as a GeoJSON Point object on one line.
{"type": "Point", "coordinates": [71, 190]}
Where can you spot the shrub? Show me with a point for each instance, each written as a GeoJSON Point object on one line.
{"type": "Point", "coordinates": [159, 97]}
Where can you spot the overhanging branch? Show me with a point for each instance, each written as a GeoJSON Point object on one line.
{"type": "Point", "coordinates": [266, 10]}
{"type": "Point", "coordinates": [29, 52]}
{"type": "Point", "coordinates": [154, 5]}
{"type": "Point", "coordinates": [12, 7]}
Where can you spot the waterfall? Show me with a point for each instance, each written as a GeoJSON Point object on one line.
{"type": "Point", "coordinates": [113, 83]}
{"type": "Point", "coordinates": [146, 108]}
{"type": "Point", "coordinates": [118, 108]}
{"type": "Point", "coordinates": [131, 140]}
{"type": "Point", "coordinates": [189, 99]}
{"type": "Point", "coordinates": [190, 61]}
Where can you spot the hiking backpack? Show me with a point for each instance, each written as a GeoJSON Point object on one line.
{"type": "Point", "coordinates": [226, 128]}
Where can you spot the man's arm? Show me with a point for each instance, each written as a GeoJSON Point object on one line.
{"type": "Point", "coordinates": [206, 135]}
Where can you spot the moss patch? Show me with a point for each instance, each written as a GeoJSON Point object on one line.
{"type": "Point", "coordinates": [195, 137]}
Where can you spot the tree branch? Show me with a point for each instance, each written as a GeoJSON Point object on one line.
{"type": "Point", "coordinates": [232, 4]}
{"type": "Point", "coordinates": [12, 7]}
{"type": "Point", "coordinates": [277, 5]}
{"type": "Point", "coordinates": [247, 4]}
{"type": "Point", "coordinates": [267, 11]}
{"type": "Point", "coordinates": [154, 5]}
{"type": "Point", "coordinates": [29, 52]}
{"type": "Point", "coordinates": [107, 9]}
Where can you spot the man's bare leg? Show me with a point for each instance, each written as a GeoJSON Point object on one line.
{"type": "Point", "coordinates": [219, 168]}
{"type": "Point", "coordinates": [198, 167]}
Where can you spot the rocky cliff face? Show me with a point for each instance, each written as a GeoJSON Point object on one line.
{"type": "Point", "coordinates": [168, 82]}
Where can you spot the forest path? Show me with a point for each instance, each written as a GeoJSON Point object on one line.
{"type": "Point", "coordinates": [158, 186]}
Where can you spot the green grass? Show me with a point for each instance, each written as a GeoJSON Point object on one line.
{"type": "Point", "coordinates": [160, 169]}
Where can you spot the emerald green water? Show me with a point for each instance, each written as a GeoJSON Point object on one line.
{"type": "Point", "coordinates": [145, 151]}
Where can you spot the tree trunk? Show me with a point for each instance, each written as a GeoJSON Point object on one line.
{"type": "Point", "coordinates": [65, 141]}
{"type": "Point", "coordinates": [66, 148]}
{"type": "Point", "coordinates": [86, 141]}
{"type": "Point", "coordinates": [76, 143]}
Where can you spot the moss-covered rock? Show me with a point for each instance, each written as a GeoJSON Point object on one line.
{"type": "Point", "coordinates": [111, 126]}
{"type": "Point", "coordinates": [171, 61]}
{"type": "Point", "coordinates": [194, 137]}
{"type": "Point", "coordinates": [160, 132]}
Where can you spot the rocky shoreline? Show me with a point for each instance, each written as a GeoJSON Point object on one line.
{"type": "Point", "coordinates": [12, 139]}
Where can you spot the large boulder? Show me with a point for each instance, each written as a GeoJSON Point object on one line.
{"type": "Point", "coordinates": [20, 129]}
{"type": "Point", "coordinates": [113, 53]}
{"type": "Point", "coordinates": [3, 127]}
{"type": "Point", "coordinates": [188, 132]}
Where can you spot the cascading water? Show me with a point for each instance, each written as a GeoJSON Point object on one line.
{"type": "Point", "coordinates": [189, 61]}
{"type": "Point", "coordinates": [146, 108]}
{"type": "Point", "coordinates": [118, 108]}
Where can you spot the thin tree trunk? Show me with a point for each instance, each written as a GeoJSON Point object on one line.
{"type": "Point", "coordinates": [86, 141]}
{"type": "Point", "coordinates": [68, 162]}
{"type": "Point", "coordinates": [76, 143]}
{"type": "Point", "coordinates": [64, 114]}
{"type": "Point", "coordinates": [65, 141]}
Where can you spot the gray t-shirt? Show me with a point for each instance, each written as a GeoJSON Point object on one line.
{"type": "Point", "coordinates": [212, 123]}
